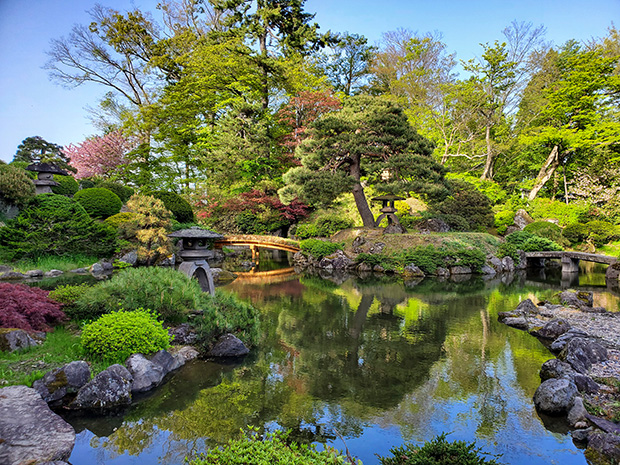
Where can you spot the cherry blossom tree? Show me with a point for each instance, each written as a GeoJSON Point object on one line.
{"type": "Point", "coordinates": [100, 155]}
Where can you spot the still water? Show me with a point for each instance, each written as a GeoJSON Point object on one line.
{"type": "Point", "coordinates": [365, 364]}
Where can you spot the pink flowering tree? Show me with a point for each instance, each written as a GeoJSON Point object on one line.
{"type": "Point", "coordinates": [100, 155]}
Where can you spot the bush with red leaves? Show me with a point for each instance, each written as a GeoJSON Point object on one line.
{"type": "Point", "coordinates": [28, 308]}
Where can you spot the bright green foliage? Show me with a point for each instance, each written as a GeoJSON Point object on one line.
{"type": "Point", "coordinates": [226, 313]}
{"type": "Point", "coordinates": [489, 188]}
{"type": "Point", "coordinates": [503, 219]}
{"type": "Point", "coordinates": [123, 192]}
{"type": "Point", "coordinates": [528, 242]}
{"type": "Point", "coordinates": [468, 203]}
{"type": "Point", "coordinates": [601, 232]}
{"type": "Point", "coordinates": [546, 229]}
{"type": "Point", "coordinates": [324, 226]}
{"type": "Point", "coordinates": [275, 448]}
{"type": "Point", "coordinates": [55, 225]}
{"type": "Point", "coordinates": [438, 451]}
{"type": "Point", "coordinates": [120, 218]}
{"type": "Point", "coordinates": [318, 248]}
{"type": "Point", "coordinates": [576, 233]}
{"type": "Point", "coordinates": [16, 187]}
{"type": "Point", "coordinates": [117, 335]}
{"type": "Point", "coordinates": [99, 202]}
{"type": "Point", "coordinates": [429, 258]}
{"type": "Point", "coordinates": [67, 294]}
{"type": "Point", "coordinates": [67, 185]}
{"type": "Point", "coordinates": [180, 208]}
{"type": "Point", "coordinates": [542, 209]}
{"type": "Point", "coordinates": [166, 291]}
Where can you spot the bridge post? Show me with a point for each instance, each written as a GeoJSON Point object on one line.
{"type": "Point", "coordinates": [570, 265]}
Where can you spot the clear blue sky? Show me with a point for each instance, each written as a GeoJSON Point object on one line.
{"type": "Point", "coordinates": [31, 105]}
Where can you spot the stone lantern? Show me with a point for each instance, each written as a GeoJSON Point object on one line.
{"type": "Point", "coordinates": [195, 249]}
{"type": "Point", "coordinates": [45, 176]}
{"type": "Point", "coordinates": [388, 211]}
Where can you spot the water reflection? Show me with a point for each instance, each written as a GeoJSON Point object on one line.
{"type": "Point", "coordinates": [374, 360]}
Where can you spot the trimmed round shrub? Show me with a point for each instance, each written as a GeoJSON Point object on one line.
{"type": "Point", "coordinates": [576, 233]}
{"type": "Point", "coordinates": [546, 229]}
{"type": "Point", "coordinates": [87, 183]}
{"type": "Point", "coordinates": [99, 202]}
{"type": "Point", "coordinates": [123, 192]}
{"type": "Point", "coordinates": [55, 225]}
{"type": "Point", "coordinates": [67, 185]}
{"type": "Point", "coordinates": [16, 187]}
{"type": "Point", "coordinates": [180, 208]}
{"type": "Point", "coordinates": [318, 248]}
{"type": "Point", "coordinates": [468, 203]}
{"type": "Point", "coordinates": [601, 232]}
{"type": "Point", "coordinates": [168, 292]}
{"type": "Point", "coordinates": [118, 335]}
{"type": "Point", "coordinates": [323, 226]}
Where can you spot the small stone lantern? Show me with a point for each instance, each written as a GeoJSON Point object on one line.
{"type": "Point", "coordinates": [195, 249]}
{"type": "Point", "coordinates": [45, 177]}
{"type": "Point", "coordinates": [388, 211]}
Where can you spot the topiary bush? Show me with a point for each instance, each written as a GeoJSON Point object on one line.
{"type": "Point", "coordinates": [67, 185]}
{"type": "Point", "coordinates": [98, 202]}
{"type": "Point", "coordinates": [576, 233]}
{"type": "Point", "coordinates": [28, 308]}
{"type": "Point", "coordinates": [16, 187]}
{"type": "Point", "coordinates": [467, 203]}
{"type": "Point", "coordinates": [324, 226]}
{"type": "Point", "coordinates": [123, 192]}
{"type": "Point", "coordinates": [166, 291]}
{"type": "Point", "coordinates": [55, 225]}
{"type": "Point", "coordinates": [601, 232]}
{"type": "Point", "coordinates": [547, 230]}
{"type": "Point", "coordinates": [318, 248]}
{"type": "Point", "coordinates": [115, 336]}
{"type": "Point", "coordinates": [528, 242]}
{"type": "Point", "coordinates": [180, 208]}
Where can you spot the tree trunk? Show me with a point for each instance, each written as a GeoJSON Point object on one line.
{"type": "Point", "coordinates": [368, 218]}
{"type": "Point", "coordinates": [546, 171]}
{"type": "Point", "coordinates": [265, 73]}
{"type": "Point", "coordinates": [488, 166]}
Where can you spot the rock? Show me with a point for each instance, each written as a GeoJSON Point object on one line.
{"type": "Point", "coordinates": [168, 261]}
{"type": "Point", "coordinates": [580, 299]}
{"type": "Point", "coordinates": [581, 434]}
{"type": "Point", "coordinates": [516, 322]}
{"type": "Point", "coordinates": [53, 273]}
{"type": "Point", "coordinates": [394, 228]}
{"type": "Point", "coordinates": [585, 384]}
{"type": "Point", "coordinates": [460, 270]}
{"type": "Point", "coordinates": [487, 270]}
{"type": "Point", "coordinates": [11, 276]}
{"type": "Point", "coordinates": [167, 361]}
{"type": "Point", "coordinates": [606, 444]}
{"type": "Point", "coordinates": [612, 274]}
{"type": "Point", "coordinates": [553, 329]}
{"type": "Point", "coordinates": [109, 389]}
{"type": "Point", "coordinates": [378, 269]}
{"type": "Point", "coordinates": [495, 263]}
{"type": "Point", "coordinates": [522, 261]}
{"type": "Point", "coordinates": [412, 271]}
{"type": "Point", "coordinates": [221, 276]}
{"type": "Point", "coordinates": [508, 265]}
{"type": "Point", "coordinates": [604, 425]}
{"type": "Point", "coordinates": [522, 219]}
{"type": "Point", "coordinates": [34, 273]}
{"type": "Point", "coordinates": [146, 374]}
{"type": "Point", "coordinates": [5, 268]}
{"type": "Point", "coordinates": [581, 353]}
{"type": "Point", "coordinates": [433, 225]}
{"type": "Point", "coordinates": [526, 307]}
{"type": "Point", "coordinates": [364, 267]}
{"type": "Point", "coordinates": [79, 271]}
{"type": "Point", "coordinates": [96, 268]}
{"type": "Point", "coordinates": [130, 257]}
{"type": "Point", "coordinates": [57, 384]}
{"type": "Point", "coordinates": [442, 272]}
{"type": "Point", "coordinates": [12, 339]}
{"type": "Point", "coordinates": [183, 334]}
{"type": "Point", "coordinates": [555, 396]}
{"type": "Point", "coordinates": [187, 353]}
{"type": "Point", "coordinates": [340, 261]}
{"type": "Point", "coordinates": [555, 368]}
{"type": "Point", "coordinates": [559, 344]}
{"type": "Point", "coordinates": [30, 432]}
{"type": "Point", "coordinates": [228, 346]}
{"type": "Point", "coordinates": [578, 412]}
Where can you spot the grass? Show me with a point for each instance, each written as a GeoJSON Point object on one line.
{"type": "Point", "coordinates": [26, 366]}
{"type": "Point", "coordinates": [47, 263]}
{"type": "Point", "coordinates": [613, 249]}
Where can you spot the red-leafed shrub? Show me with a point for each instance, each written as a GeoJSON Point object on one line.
{"type": "Point", "coordinates": [28, 308]}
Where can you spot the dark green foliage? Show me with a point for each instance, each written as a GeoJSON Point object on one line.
{"type": "Point", "coordinates": [87, 183]}
{"type": "Point", "coordinates": [67, 185]}
{"type": "Point", "coordinates": [180, 208]}
{"type": "Point", "coordinates": [318, 248]}
{"type": "Point", "coordinates": [576, 233]}
{"type": "Point", "coordinates": [387, 262]}
{"type": "Point", "coordinates": [55, 225]}
{"type": "Point", "coordinates": [99, 202]}
{"type": "Point", "coordinates": [275, 448]}
{"type": "Point", "coordinates": [547, 230]}
{"type": "Point", "coordinates": [226, 313]}
{"type": "Point", "coordinates": [115, 336]}
{"type": "Point", "coordinates": [323, 226]}
{"type": "Point", "coordinates": [166, 291]}
{"type": "Point", "coordinates": [438, 451]}
{"type": "Point", "coordinates": [601, 232]}
{"type": "Point", "coordinates": [67, 294]}
{"type": "Point", "coordinates": [123, 192]}
{"type": "Point", "coordinates": [468, 203]}
{"type": "Point", "coordinates": [528, 242]}
{"type": "Point", "coordinates": [455, 222]}
{"type": "Point", "coordinates": [16, 187]}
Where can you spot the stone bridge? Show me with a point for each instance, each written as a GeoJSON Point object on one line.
{"type": "Point", "coordinates": [569, 260]}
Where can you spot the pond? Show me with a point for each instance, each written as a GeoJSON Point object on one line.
{"type": "Point", "coordinates": [365, 364]}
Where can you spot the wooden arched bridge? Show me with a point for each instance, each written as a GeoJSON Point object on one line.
{"type": "Point", "coordinates": [569, 260]}
{"type": "Point", "coordinates": [256, 241]}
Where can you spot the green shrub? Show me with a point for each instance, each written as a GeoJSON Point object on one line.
{"type": "Point", "coordinates": [576, 233]}
{"type": "Point", "coordinates": [87, 183]}
{"type": "Point", "coordinates": [55, 225]}
{"type": "Point", "coordinates": [467, 203]}
{"type": "Point", "coordinates": [67, 185]}
{"type": "Point", "coordinates": [120, 218]}
{"type": "Point", "coordinates": [67, 294]}
{"type": "Point", "coordinates": [387, 262]}
{"type": "Point", "coordinates": [123, 192]}
{"type": "Point", "coordinates": [526, 241]}
{"type": "Point", "coordinates": [180, 208]}
{"type": "Point", "coordinates": [99, 202]}
{"type": "Point", "coordinates": [438, 451]}
{"type": "Point", "coordinates": [547, 230]}
{"type": "Point", "coordinates": [429, 258]}
{"type": "Point", "coordinates": [324, 226]}
{"type": "Point", "coordinates": [490, 189]}
{"type": "Point", "coordinates": [503, 219]}
{"type": "Point", "coordinates": [541, 209]}
{"type": "Point", "coordinates": [16, 187]}
{"type": "Point", "coordinates": [275, 448]}
{"type": "Point", "coordinates": [601, 232]}
{"type": "Point", "coordinates": [226, 313]}
{"type": "Point", "coordinates": [318, 248]}
{"type": "Point", "coordinates": [168, 292]}
{"type": "Point", "coordinates": [115, 336]}
{"type": "Point", "coordinates": [454, 222]}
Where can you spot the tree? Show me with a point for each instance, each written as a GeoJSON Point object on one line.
{"type": "Point", "coordinates": [349, 144]}
{"type": "Point", "coordinates": [37, 150]}
{"type": "Point", "coordinates": [102, 156]}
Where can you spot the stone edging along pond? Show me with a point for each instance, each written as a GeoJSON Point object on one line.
{"type": "Point", "coordinates": [586, 372]}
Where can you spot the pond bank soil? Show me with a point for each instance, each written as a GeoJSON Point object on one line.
{"type": "Point", "coordinates": [582, 383]}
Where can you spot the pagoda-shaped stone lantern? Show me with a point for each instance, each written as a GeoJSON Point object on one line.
{"type": "Point", "coordinates": [45, 176]}
{"type": "Point", "coordinates": [195, 249]}
{"type": "Point", "coordinates": [389, 211]}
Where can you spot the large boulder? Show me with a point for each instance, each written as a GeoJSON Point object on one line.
{"type": "Point", "coordinates": [228, 346]}
{"type": "Point", "coordinates": [184, 334]}
{"type": "Point", "coordinates": [555, 396]}
{"type": "Point", "coordinates": [522, 219]}
{"type": "Point", "coordinates": [559, 344]}
{"type": "Point", "coordinates": [146, 374]}
{"type": "Point", "coordinates": [109, 389]}
{"type": "Point", "coordinates": [553, 329]}
{"type": "Point", "coordinates": [57, 384]}
{"type": "Point", "coordinates": [12, 339]}
{"type": "Point", "coordinates": [29, 431]}
{"type": "Point", "coordinates": [167, 361]}
{"type": "Point", "coordinates": [412, 271]}
{"type": "Point", "coordinates": [460, 270]}
{"type": "Point", "coordinates": [555, 368]}
{"type": "Point", "coordinates": [581, 353]}
{"type": "Point", "coordinates": [581, 300]}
